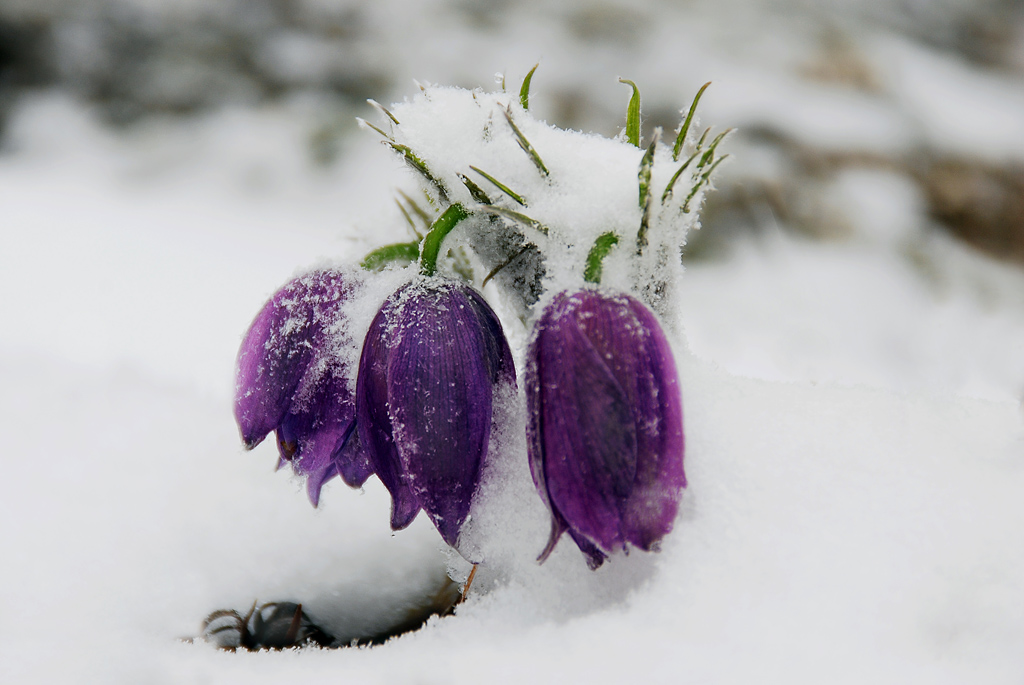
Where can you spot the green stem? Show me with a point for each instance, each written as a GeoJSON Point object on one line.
{"type": "Point", "coordinates": [438, 232]}
{"type": "Point", "coordinates": [382, 256]}
{"type": "Point", "coordinates": [595, 258]}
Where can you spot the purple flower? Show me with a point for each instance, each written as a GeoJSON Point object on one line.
{"type": "Point", "coordinates": [605, 423]}
{"type": "Point", "coordinates": [291, 380]}
{"type": "Point", "coordinates": [429, 367]}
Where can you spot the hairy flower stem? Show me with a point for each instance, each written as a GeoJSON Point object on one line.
{"type": "Point", "coordinates": [382, 256]}
{"type": "Point", "coordinates": [438, 232]}
{"type": "Point", "coordinates": [469, 581]}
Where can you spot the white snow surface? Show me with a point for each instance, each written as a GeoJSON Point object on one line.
{"type": "Point", "coordinates": [855, 446]}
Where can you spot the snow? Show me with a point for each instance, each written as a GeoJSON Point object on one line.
{"type": "Point", "coordinates": [852, 410]}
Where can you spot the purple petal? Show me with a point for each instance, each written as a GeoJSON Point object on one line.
{"type": "Point", "coordinates": [290, 380]}
{"type": "Point", "coordinates": [497, 355]}
{"type": "Point", "coordinates": [430, 362]}
{"type": "Point", "coordinates": [351, 460]}
{"type": "Point", "coordinates": [651, 508]}
{"type": "Point", "coordinates": [605, 423]}
{"type": "Point", "coordinates": [272, 360]}
{"type": "Point", "coordinates": [374, 422]}
{"type": "Point", "coordinates": [440, 390]}
{"type": "Point", "coordinates": [317, 435]}
{"type": "Point", "coordinates": [589, 438]}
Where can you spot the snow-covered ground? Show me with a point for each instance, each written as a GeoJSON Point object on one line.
{"type": "Point", "coordinates": [855, 443]}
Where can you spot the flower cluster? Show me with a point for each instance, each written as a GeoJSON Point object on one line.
{"type": "Point", "coordinates": [604, 412]}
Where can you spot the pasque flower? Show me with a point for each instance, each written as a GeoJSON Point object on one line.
{"type": "Point", "coordinates": [430, 363]}
{"type": "Point", "coordinates": [291, 380]}
{"type": "Point", "coordinates": [605, 423]}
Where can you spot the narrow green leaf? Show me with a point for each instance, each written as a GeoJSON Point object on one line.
{"type": "Point", "coordinates": [383, 109]}
{"type": "Point", "coordinates": [703, 179]}
{"type": "Point", "coordinates": [515, 216]}
{"type": "Point", "coordinates": [438, 232]}
{"type": "Point", "coordinates": [389, 254]}
{"type": "Point", "coordinates": [474, 190]}
{"type": "Point", "coordinates": [644, 177]}
{"type": "Point", "coordinates": [703, 136]}
{"type": "Point", "coordinates": [460, 264]}
{"type": "Point", "coordinates": [387, 136]}
{"type": "Point", "coordinates": [685, 128]}
{"type": "Point", "coordinates": [423, 215]}
{"type": "Point", "coordinates": [525, 145]}
{"type": "Point", "coordinates": [408, 218]}
{"type": "Point", "coordinates": [420, 166]}
{"type": "Point", "coordinates": [711, 148]}
{"type": "Point", "coordinates": [667, 195]}
{"type": "Point", "coordinates": [595, 258]}
{"type": "Point", "coordinates": [524, 92]}
{"type": "Point", "coordinates": [496, 270]}
{"type": "Point", "coordinates": [501, 186]}
{"type": "Point", "coordinates": [646, 166]}
{"type": "Point", "coordinates": [633, 114]}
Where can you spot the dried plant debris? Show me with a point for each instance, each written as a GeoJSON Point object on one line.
{"type": "Point", "coordinates": [981, 204]}
{"type": "Point", "coordinates": [274, 625]}
{"type": "Point", "coordinates": [285, 625]}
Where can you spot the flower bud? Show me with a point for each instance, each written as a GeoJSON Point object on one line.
{"type": "Point", "coordinates": [429, 367]}
{"type": "Point", "coordinates": [605, 423]}
{"type": "Point", "coordinates": [291, 380]}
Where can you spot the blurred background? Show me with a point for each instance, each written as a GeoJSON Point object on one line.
{"type": "Point", "coordinates": [165, 165]}
{"type": "Point", "coordinates": [870, 228]}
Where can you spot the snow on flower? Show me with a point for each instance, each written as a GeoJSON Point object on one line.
{"type": "Point", "coordinates": [290, 381]}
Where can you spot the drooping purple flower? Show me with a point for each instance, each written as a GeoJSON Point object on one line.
{"type": "Point", "coordinates": [291, 380]}
{"type": "Point", "coordinates": [430, 363]}
{"type": "Point", "coordinates": [605, 423]}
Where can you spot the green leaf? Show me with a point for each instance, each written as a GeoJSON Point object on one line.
{"type": "Point", "coordinates": [595, 258]}
{"type": "Point", "coordinates": [685, 128]}
{"type": "Point", "coordinates": [460, 264]}
{"type": "Point", "coordinates": [475, 191]}
{"type": "Point", "coordinates": [525, 145]}
{"type": "Point", "coordinates": [389, 254]}
{"type": "Point", "coordinates": [421, 213]}
{"type": "Point", "coordinates": [515, 216]}
{"type": "Point", "coordinates": [665, 196]}
{"type": "Point", "coordinates": [644, 176]}
{"type": "Point", "coordinates": [419, 166]}
{"type": "Point", "coordinates": [496, 270]}
{"type": "Point", "coordinates": [711, 148]}
{"type": "Point", "coordinates": [633, 115]}
{"type": "Point", "coordinates": [386, 136]}
{"type": "Point", "coordinates": [383, 109]}
{"type": "Point", "coordinates": [703, 180]}
{"type": "Point", "coordinates": [408, 218]}
{"type": "Point", "coordinates": [438, 232]}
{"type": "Point", "coordinates": [524, 92]}
{"type": "Point", "coordinates": [703, 136]}
{"type": "Point", "coordinates": [501, 186]}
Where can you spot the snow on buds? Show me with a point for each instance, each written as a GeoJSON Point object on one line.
{"type": "Point", "coordinates": [430, 363]}
{"type": "Point", "coordinates": [605, 423]}
{"type": "Point", "coordinates": [290, 380]}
